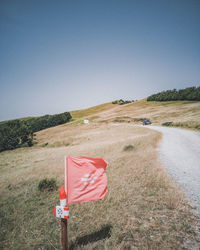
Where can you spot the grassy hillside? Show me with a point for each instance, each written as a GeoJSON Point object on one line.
{"type": "Point", "coordinates": [91, 111]}
{"type": "Point", "coordinates": [181, 113]}
{"type": "Point", "coordinates": [143, 208]}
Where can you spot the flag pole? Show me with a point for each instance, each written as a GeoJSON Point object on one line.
{"type": "Point", "coordinates": [64, 233]}
{"type": "Point", "coordinates": [64, 236]}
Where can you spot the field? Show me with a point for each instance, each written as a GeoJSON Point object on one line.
{"type": "Point", "coordinates": [143, 209]}
{"type": "Point", "coordinates": [185, 114]}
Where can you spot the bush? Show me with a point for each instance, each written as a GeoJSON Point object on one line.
{"type": "Point", "coordinates": [197, 126]}
{"type": "Point", "coordinates": [122, 102]}
{"type": "Point", "coordinates": [167, 124]}
{"type": "Point", "coordinates": [128, 147]}
{"type": "Point", "coordinates": [47, 184]}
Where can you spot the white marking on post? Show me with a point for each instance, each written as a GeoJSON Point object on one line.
{"type": "Point", "coordinates": [61, 212]}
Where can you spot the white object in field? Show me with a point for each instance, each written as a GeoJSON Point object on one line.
{"type": "Point", "coordinates": [86, 121]}
{"type": "Point", "coordinates": [61, 212]}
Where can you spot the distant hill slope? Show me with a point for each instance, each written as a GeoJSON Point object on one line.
{"type": "Point", "coordinates": [172, 113]}
{"type": "Point", "coordinates": [91, 111]}
{"type": "Point", "coordinates": [180, 113]}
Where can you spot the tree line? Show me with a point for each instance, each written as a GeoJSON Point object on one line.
{"type": "Point", "coordinates": [190, 94]}
{"type": "Point", "coordinates": [19, 133]}
{"type": "Point", "coordinates": [47, 121]}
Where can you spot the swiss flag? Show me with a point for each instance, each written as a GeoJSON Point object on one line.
{"type": "Point", "coordinates": [85, 179]}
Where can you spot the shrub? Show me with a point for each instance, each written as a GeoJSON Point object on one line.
{"type": "Point", "coordinates": [122, 102]}
{"type": "Point", "coordinates": [197, 126]}
{"type": "Point", "coordinates": [167, 124]}
{"type": "Point", "coordinates": [128, 147]}
{"type": "Point", "coordinates": [47, 184]}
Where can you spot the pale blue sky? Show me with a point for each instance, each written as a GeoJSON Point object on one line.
{"type": "Point", "coordinates": [58, 56]}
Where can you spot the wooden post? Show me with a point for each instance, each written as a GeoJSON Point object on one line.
{"type": "Point", "coordinates": [64, 236]}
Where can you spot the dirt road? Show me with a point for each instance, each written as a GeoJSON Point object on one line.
{"type": "Point", "coordinates": [180, 153]}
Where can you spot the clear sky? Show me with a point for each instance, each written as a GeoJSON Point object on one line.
{"type": "Point", "coordinates": [57, 56]}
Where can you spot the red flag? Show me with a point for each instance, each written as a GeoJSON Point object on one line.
{"type": "Point", "coordinates": [85, 179]}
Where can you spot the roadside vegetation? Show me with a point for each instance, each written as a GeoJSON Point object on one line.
{"type": "Point", "coordinates": [190, 125]}
{"type": "Point", "coordinates": [190, 94]}
{"type": "Point", "coordinates": [143, 208]}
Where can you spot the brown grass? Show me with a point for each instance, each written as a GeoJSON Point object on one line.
{"type": "Point", "coordinates": [143, 208]}
{"type": "Point", "coordinates": [91, 111]}
{"type": "Point", "coordinates": [186, 113]}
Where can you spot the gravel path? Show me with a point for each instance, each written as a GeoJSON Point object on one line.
{"type": "Point", "coordinates": [180, 152]}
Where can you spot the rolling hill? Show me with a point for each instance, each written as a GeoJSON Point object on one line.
{"type": "Point", "coordinates": [143, 209]}
{"type": "Point", "coordinates": [181, 113]}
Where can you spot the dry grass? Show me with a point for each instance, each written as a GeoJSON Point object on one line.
{"type": "Point", "coordinates": [142, 210]}
{"type": "Point", "coordinates": [178, 112]}
{"type": "Point", "coordinates": [187, 124]}
{"type": "Point", "coordinates": [91, 111]}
